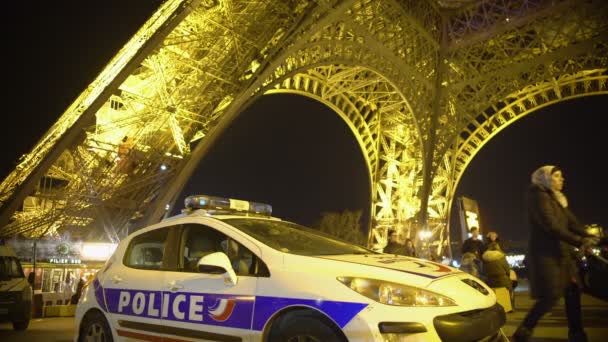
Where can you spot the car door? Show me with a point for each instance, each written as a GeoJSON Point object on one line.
{"type": "Point", "coordinates": [203, 305]}
{"type": "Point", "coordinates": [132, 286]}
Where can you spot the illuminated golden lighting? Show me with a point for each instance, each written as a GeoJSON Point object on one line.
{"type": "Point", "coordinates": [97, 251]}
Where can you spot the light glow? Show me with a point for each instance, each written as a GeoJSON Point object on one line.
{"type": "Point", "coordinates": [97, 251]}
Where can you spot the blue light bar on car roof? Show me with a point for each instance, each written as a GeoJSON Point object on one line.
{"type": "Point", "coordinates": [227, 204]}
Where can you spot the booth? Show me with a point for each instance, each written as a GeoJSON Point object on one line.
{"type": "Point", "coordinates": [58, 266]}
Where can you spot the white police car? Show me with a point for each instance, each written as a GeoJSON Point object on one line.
{"type": "Point", "coordinates": [224, 270]}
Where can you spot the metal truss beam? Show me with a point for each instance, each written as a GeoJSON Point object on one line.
{"type": "Point", "coordinates": [423, 85]}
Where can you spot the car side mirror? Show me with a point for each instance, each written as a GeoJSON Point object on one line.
{"type": "Point", "coordinates": [218, 263]}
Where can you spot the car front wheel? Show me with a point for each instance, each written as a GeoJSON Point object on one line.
{"type": "Point", "coordinates": [95, 328]}
{"type": "Point", "coordinates": [304, 327]}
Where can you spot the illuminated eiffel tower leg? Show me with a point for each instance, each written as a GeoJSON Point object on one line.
{"type": "Point", "coordinates": [423, 85]}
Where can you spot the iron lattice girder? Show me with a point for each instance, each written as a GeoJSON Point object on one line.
{"type": "Point", "coordinates": [357, 94]}
{"type": "Point", "coordinates": [551, 40]}
{"type": "Point", "coordinates": [516, 106]}
{"type": "Point", "coordinates": [376, 62]}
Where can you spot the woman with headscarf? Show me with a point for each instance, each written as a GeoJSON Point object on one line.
{"type": "Point", "coordinates": [554, 231]}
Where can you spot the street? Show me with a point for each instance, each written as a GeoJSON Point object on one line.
{"type": "Point", "coordinates": [554, 326]}
{"type": "Point", "coordinates": [52, 329]}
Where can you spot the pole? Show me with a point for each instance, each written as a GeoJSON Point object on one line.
{"type": "Point", "coordinates": [34, 266]}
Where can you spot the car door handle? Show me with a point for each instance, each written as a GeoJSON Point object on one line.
{"type": "Point", "coordinates": [174, 286]}
{"type": "Point", "coordinates": [116, 279]}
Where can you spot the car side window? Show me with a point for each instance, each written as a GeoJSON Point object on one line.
{"type": "Point", "coordinates": [147, 250]}
{"type": "Point", "coordinates": [198, 241]}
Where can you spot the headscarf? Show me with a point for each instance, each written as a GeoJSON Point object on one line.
{"type": "Point", "coordinates": [542, 178]}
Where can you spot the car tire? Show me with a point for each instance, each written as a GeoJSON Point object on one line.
{"type": "Point", "coordinates": [296, 327]}
{"type": "Point", "coordinates": [21, 325]}
{"type": "Point", "coordinates": [95, 327]}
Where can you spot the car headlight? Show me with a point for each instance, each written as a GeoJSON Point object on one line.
{"type": "Point", "coordinates": [386, 292]}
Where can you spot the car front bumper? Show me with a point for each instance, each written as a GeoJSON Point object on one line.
{"type": "Point", "coordinates": [472, 325]}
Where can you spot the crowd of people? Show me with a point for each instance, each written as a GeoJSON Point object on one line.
{"type": "Point", "coordinates": [488, 261]}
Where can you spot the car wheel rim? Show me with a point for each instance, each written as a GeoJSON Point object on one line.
{"type": "Point", "coordinates": [96, 333]}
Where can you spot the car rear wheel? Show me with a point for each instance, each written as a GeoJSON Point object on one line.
{"type": "Point", "coordinates": [304, 327]}
{"type": "Point", "coordinates": [95, 328]}
{"type": "Point", "coordinates": [21, 325]}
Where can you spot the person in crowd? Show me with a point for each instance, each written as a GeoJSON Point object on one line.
{"type": "Point", "coordinates": [409, 248]}
{"type": "Point", "coordinates": [491, 237]}
{"type": "Point", "coordinates": [474, 247]}
{"type": "Point", "coordinates": [76, 296]}
{"type": "Point", "coordinates": [473, 244]}
{"type": "Point", "coordinates": [393, 246]}
{"type": "Point", "coordinates": [554, 231]}
{"type": "Point", "coordinates": [496, 269]}
{"type": "Point", "coordinates": [468, 263]}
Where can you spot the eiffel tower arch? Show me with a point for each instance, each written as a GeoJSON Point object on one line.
{"type": "Point", "coordinates": [423, 85]}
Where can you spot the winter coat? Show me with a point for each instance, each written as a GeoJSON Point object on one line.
{"type": "Point", "coordinates": [474, 246]}
{"type": "Point", "coordinates": [554, 231]}
{"type": "Point", "coordinates": [496, 269]}
{"type": "Point", "coordinates": [394, 248]}
{"type": "Point", "coordinates": [409, 251]}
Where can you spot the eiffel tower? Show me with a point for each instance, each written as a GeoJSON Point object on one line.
{"type": "Point", "coordinates": [422, 84]}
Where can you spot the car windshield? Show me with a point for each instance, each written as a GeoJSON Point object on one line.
{"type": "Point", "coordinates": [10, 268]}
{"type": "Point", "coordinates": [292, 238]}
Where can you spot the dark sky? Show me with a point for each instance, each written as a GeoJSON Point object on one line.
{"type": "Point", "coordinates": [287, 150]}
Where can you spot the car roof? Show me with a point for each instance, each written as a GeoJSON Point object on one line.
{"type": "Point", "coordinates": [202, 213]}
{"type": "Point", "coordinates": [220, 215]}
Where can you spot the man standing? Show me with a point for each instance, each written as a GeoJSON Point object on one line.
{"type": "Point", "coordinates": [472, 248]}
{"type": "Point", "coordinates": [473, 244]}
{"type": "Point", "coordinates": [393, 246]}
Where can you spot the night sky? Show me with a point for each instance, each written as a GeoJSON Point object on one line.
{"type": "Point", "coordinates": [288, 150]}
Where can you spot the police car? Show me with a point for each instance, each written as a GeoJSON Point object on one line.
{"type": "Point", "coordinates": [225, 270]}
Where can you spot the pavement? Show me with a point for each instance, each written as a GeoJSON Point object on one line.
{"type": "Point", "coordinates": [553, 327]}
{"type": "Point", "coordinates": [52, 329]}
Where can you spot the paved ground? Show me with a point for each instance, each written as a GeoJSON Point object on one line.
{"type": "Point", "coordinates": [52, 329]}
{"type": "Point", "coordinates": [552, 328]}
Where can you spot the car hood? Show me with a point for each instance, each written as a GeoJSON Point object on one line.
{"type": "Point", "coordinates": [414, 266]}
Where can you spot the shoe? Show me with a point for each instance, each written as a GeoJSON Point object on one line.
{"type": "Point", "coordinates": [522, 334]}
{"type": "Point", "coordinates": [578, 336]}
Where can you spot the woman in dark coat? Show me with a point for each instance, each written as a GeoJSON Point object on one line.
{"type": "Point", "coordinates": [554, 231]}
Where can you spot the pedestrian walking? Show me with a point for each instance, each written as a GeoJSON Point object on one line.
{"type": "Point", "coordinates": [554, 231]}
